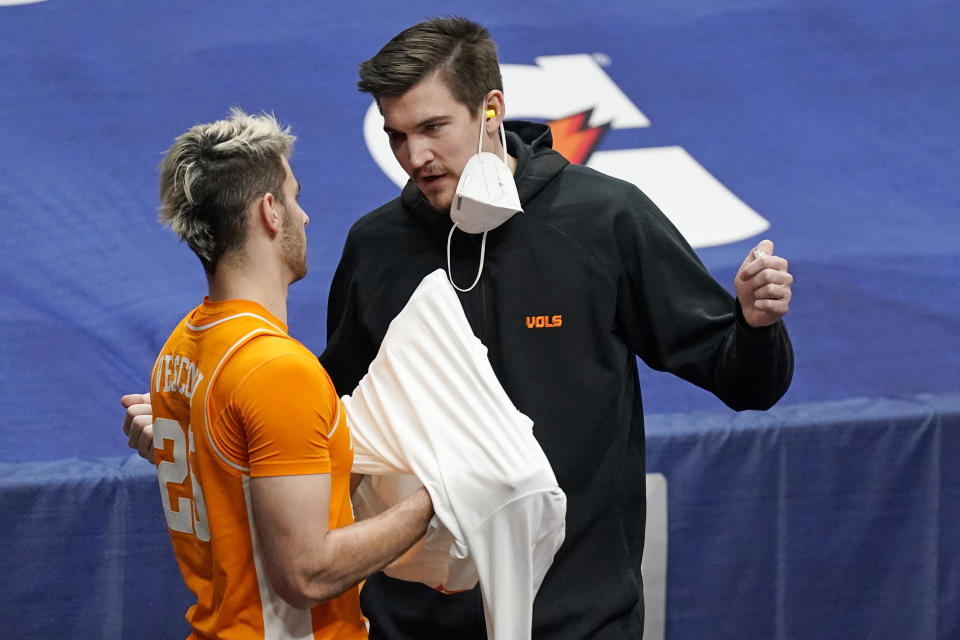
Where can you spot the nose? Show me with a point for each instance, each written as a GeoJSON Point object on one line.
{"type": "Point", "coordinates": [421, 152]}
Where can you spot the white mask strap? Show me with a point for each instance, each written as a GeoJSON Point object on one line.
{"type": "Point", "coordinates": [503, 137]}
{"type": "Point", "coordinates": [483, 251]}
{"type": "Point", "coordinates": [503, 143]}
{"type": "Point", "coordinates": [480, 141]}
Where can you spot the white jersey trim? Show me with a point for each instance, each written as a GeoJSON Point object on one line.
{"type": "Point", "coordinates": [280, 620]}
{"type": "Point", "coordinates": [336, 423]}
{"type": "Point", "coordinates": [245, 314]}
{"type": "Point", "coordinates": [206, 393]}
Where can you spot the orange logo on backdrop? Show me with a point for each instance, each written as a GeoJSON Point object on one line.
{"type": "Point", "coordinates": [574, 139]}
{"type": "Point", "coordinates": [543, 322]}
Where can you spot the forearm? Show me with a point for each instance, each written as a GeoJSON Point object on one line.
{"type": "Point", "coordinates": [352, 553]}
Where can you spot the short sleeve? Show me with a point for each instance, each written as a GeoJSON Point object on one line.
{"type": "Point", "coordinates": [289, 409]}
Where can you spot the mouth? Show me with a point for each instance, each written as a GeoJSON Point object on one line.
{"type": "Point", "coordinates": [430, 180]}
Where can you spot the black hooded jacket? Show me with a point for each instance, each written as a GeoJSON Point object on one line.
{"type": "Point", "coordinates": [589, 276]}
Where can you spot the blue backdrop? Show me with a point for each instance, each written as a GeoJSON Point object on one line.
{"type": "Point", "coordinates": [836, 122]}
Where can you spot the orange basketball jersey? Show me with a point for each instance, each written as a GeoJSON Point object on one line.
{"type": "Point", "coordinates": [235, 397]}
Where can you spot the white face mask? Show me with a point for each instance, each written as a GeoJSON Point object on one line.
{"type": "Point", "coordinates": [486, 195]}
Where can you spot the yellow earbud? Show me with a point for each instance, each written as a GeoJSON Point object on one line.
{"type": "Point", "coordinates": [491, 113]}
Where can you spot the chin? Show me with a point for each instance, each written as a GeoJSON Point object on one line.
{"type": "Point", "coordinates": [297, 277]}
{"type": "Point", "coordinates": [443, 206]}
{"type": "Point", "coordinates": [439, 200]}
{"type": "Point", "coordinates": [298, 272]}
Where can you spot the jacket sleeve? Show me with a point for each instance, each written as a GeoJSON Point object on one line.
{"type": "Point", "coordinates": [677, 318]}
{"type": "Point", "coordinates": [349, 350]}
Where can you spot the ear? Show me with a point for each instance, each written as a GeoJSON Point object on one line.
{"type": "Point", "coordinates": [269, 214]}
{"type": "Point", "coordinates": [493, 111]}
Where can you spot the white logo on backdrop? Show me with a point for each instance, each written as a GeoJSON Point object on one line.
{"type": "Point", "coordinates": [581, 102]}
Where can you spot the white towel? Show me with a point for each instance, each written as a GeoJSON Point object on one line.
{"type": "Point", "coordinates": [431, 406]}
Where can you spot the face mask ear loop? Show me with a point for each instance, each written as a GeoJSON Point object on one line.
{"type": "Point", "coordinates": [480, 141]}
{"type": "Point", "coordinates": [483, 252]}
{"type": "Point", "coordinates": [503, 142]}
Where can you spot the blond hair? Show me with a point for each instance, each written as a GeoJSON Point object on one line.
{"type": "Point", "coordinates": [214, 172]}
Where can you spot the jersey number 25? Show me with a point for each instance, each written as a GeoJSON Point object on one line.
{"type": "Point", "coordinates": [190, 516]}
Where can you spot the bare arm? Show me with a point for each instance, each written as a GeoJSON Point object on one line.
{"type": "Point", "coordinates": [309, 563]}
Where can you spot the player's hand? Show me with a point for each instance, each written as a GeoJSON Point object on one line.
{"type": "Point", "coordinates": [138, 423]}
{"type": "Point", "coordinates": [763, 286]}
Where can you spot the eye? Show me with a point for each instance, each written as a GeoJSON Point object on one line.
{"type": "Point", "coordinates": [395, 137]}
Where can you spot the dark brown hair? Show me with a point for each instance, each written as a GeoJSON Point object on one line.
{"type": "Point", "coordinates": [460, 51]}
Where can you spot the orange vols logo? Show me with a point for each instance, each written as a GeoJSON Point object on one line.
{"type": "Point", "coordinates": [543, 322]}
{"type": "Point", "coordinates": [574, 139]}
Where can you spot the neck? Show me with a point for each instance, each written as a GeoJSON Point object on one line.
{"type": "Point", "coordinates": [232, 282]}
{"type": "Point", "coordinates": [512, 164]}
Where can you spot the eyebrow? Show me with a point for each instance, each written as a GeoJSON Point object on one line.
{"type": "Point", "coordinates": [421, 124]}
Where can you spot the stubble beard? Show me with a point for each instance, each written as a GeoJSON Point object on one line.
{"type": "Point", "coordinates": [294, 245]}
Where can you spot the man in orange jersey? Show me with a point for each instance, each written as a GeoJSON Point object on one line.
{"type": "Point", "coordinates": [252, 451]}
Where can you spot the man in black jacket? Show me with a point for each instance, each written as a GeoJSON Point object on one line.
{"type": "Point", "coordinates": [588, 276]}
{"type": "Point", "coordinates": [565, 295]}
